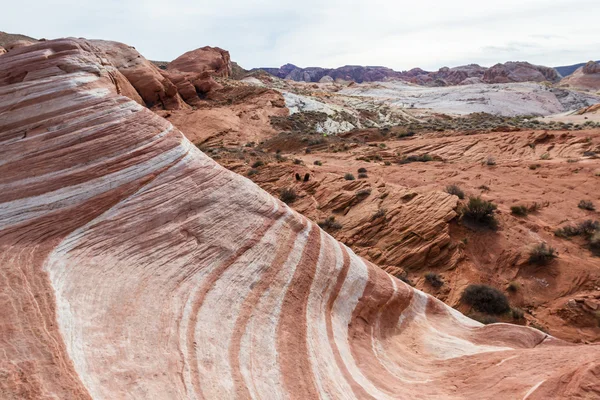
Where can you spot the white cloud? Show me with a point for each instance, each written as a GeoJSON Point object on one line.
{"type": "Point", "coordinates": [399, 34]}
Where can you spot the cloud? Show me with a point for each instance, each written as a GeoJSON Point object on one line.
{"type": "Point", "coordinates": [399, 34]}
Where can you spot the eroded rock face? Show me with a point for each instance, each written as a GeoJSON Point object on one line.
{"type": "Point", "coordinates": [193, 72]}
{"type": "Point", "coordinates": [134, 266]}
{"type": "Point", "coordinates": [519, 72]}
{"type": "Point", "coordinates": [586, 77]}
{"type": "Point", "coordinates": [155, 90]}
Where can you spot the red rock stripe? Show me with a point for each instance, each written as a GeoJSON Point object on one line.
{"type": "Point", "coordinates": [250, 303]}
{"type": "Point", "coordinates": [377, 296]}
{"type": "Point", "coordinates": [208, 284]}
{"type": "Point", "coordinates": [292, 343]}
{"type": "Point", "coordinates": [358, 390]}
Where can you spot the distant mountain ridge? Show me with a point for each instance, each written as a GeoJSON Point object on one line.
{"type": "Point", "coordinates": [569, 69]}
{"type": "Point", "coordinates": [512, 71]}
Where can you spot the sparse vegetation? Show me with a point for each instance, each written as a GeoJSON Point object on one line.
{"type": "Point", "coordinates": [349, 177]}
{"type": "Point", "coordinates": [490, 161]}
{"type": "Point", "coordinates": [258, 163]}
{"type": "Point", "coordinates": [379, 213]}
{"type": "Point", "coordinates": [456, 191]}
{"type": "Point", "coordinates": [480, 211]}
{"type": "Point", "coordinates": [252, 172]}
{"type": "Point", "coordinates": [586, 228]}
{"type": "Point", "coordinates": [517, 314]}
{"type": "Point", "coordinates": [297, 161]}
{"type": "Point", "coordinates": [317, 162]}
{"type": "Point", "coordinates": [513, 287]}
{"type": "Point", "coordinates": [414, 158]}
{"type": "Point", "coordinates": [363, 192]}
{"type": "Point", "coordinates": [434, 279]}
{"type": "Point", "coordinates": [586, 205]}
{"type": "Point", "coordinates": [534, 166]}
{"type": "Point", "coordinates": [330, 224]}
{"type": "Point", "coordinates": [545, 156]}
{"type": "Point", "coordinates": [542, 254]}
{"type": "Point", "coordinates": [521, 211]}
{"type": "Point", "coordinates": [288, 195]}
{"type": "Point", "coordinates": [486, 299]}
{"type": "Point", "coordinates": [362, 170]}
{"type": "Point", "coordinates": [362, 176]}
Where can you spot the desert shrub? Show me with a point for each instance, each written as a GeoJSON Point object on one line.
{"type": "Point", "coordinates": [317, 162]}
{"type": "Point", "coordinates": [586, 228]}
{"type": "Point", "coordinates": [406, 134]}
{"type": "Point", "coordinates": [297, 161]}
{"type": "Point", "coordinates": [486, 299]}
{"type": "Point", "coordinates": [455, 190]}
{"type": "Point", "coordinates": [363, 192]}
{"type": "Point", "coordinates": [513, 287]}
{"type": "Point", "coordinates": [480, 212]}
{"type": "Point", "coordinates": [362, 170]}
{"type": "Point", "coordinates": [586, 205]}
{"type": "Point", "coordinates": [490, 161]}
{"type": "Point", "coordinates": [379, 213]}
{"type": "Point", "coordinates": [484, 187]}
{"type": "Point", "coordinates": [595, 242]}
{"type": "Point", "coordinates": [519, 210]}
{"type": "Point", "coordinates": [258, 163]}
{"type": "Point", "coordinates": [414, 158]}
{"type": "Point", "coordinates": [589, 154]}
{"type": "Point", "coordinates": [534, 166]}
{"type": "Point", "coordinates": [434, 279]}
{"type": "Point", "coordinates": [542, 254]}
{"type": "Point", "coordinates": [545, 156]}
{"type": "Point", "coordinates": [288, 195]}
{"type": "Point", "coordinates": [390, 163]}
{"type": "Point", "coordinates": [252, 172]}
{"type": "Point", "coordinates": [329, 224]}
{"type": "Point", "coordinates": [517, 314]}
{"type": "Point", "coordinates": [349, 177]}
{"type": "Point", "coordinates": [362, 176]}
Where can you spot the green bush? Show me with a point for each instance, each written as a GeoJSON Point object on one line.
{"type": "Point", "coordinates": [413, 158]}
{"type": "Point", "coordinates": [319, 163]}
{"type": "Point", "coordinates": [486, 299]}
{"type": "Point", "coordinates": [288, 195]}
{"type": "Point", "coordinates": [349, 177]}
{"type": "Point", "coordinates": [542, 254]}
{"type": "Point", "coordinates": [363, 192]}
{"type": "Point", "coordinates": [434, 279]}
{"type": "Point", "coordinates": [329, 224]}
{"type": "Point", "coordinates": [456, 191]}
{"type": "Point", "coordinates": [586, 205]}
{"type": "Point", "coordinates": [519, 210]}
{"type": "Point", "coordinates": [362, 170]}
{"type": "Point", "coordinates": [252, 172]}
{"type": "Point", "coordinates": [379, 213]}
{"type": "Point", "coordinates": [480, 211]}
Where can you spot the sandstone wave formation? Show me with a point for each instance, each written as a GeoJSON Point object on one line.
{"type": "Point", "coordinates": [134, 266]}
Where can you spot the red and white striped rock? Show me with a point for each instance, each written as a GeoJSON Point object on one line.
{"type": "Point", "coordinates": [133, 266]}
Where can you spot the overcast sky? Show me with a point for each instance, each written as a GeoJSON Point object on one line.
{"type": "Point", "coordinates": [395, 33]}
